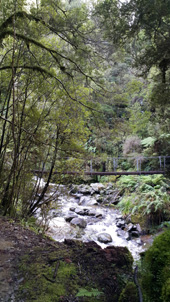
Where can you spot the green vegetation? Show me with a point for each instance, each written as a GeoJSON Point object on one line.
{"type": "Point", "coordinates": [145, 196]}
{"type": "Point", "coordinates": [77, 271]}
{"type": "Point", "coordinates": [81, 82]}
{"type": "Point", "coordinates": [69, 89]}
{"type": "Point", "coordinates": [156, 270]}
{"type": "Point", "coordinates": [93, 292]}
{"type": "Point", "coordinates": [129, 293]}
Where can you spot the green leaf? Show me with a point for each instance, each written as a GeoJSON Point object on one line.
{"type": "Point", "coordinates": [83, 292]}
{"type": "Point", "coordinates": [148, 142]}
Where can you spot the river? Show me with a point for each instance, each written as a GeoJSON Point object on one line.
{"type": "Point", "coordinates": [98, 218]}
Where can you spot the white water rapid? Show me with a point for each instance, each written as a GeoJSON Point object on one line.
{"type": "Point", "coordinates": [104, 221]}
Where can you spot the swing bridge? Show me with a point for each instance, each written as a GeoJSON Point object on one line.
{"type": "Point", "coordinates": [115, 166]}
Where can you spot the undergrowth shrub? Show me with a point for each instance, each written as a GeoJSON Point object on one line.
{"type": "Point", "coordinates": [147, 196]}
{"type": "Point", "coordinates": [156, 270]}
{"type": "Point", "coordinates": [129, 293]}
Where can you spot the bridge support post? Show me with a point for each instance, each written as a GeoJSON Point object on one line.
{"type": "Point", "coordinates": [91, 166]}
{"type": "Point", "coordinates": [160, 163]}
{"type": "Point", "coordinates": [137, 164]}
{"type": "Point", "coordinates": [115, 164]}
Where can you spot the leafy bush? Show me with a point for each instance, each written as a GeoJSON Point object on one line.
{"type": "Point", "coordinates": [156, 270]}
{"type": "Point", "coordinates": [128, 182]}
{"type": "Point", "coordinates": [93, 292]}
{"type": "Point", "coordinates": [145, 195]}
{"type": "Point", "coordinates": [129, 293]}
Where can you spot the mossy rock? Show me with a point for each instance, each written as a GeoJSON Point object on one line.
{"type": "Point", "coordinates": [141, 219]}
{"type": "Point", "coordinates": [85, 272]}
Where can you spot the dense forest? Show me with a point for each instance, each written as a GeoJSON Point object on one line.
{"type": "Point", "coordinates": [88, 81]}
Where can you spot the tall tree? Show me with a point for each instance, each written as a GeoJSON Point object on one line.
{"type": "Point", "coordinates": [44, 68]}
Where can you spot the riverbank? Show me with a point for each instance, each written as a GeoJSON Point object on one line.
{"type": "Point", "coordinates": [35, 268]}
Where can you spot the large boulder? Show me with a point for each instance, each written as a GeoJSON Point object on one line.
{"type": "Point", "coordinates": [97, 187]}
{"type": "Point", "coordinates": [79, 222]}
{"type": "Point", "coordinates": [84, 189]}
{"type": "Point", "coordinates": [104, 238]}
{"type": "Point", "coordinates": [87, 201]}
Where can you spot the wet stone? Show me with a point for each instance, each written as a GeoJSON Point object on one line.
{"type": "Point", "coordinates": [131, 227]}
{"type": "Point", "coordinates": [92, 213]}
{"type": "Point", "coordinates": [134, 234]}
{"type": "Point", "coordinates": [87, 201]}
{"type": "Point", "coordinates": [79, 222]}
{"type": "Point", "coordinates": [82, 212]}
{"type": "Point", "coordinates": [139, 242]}
{"type": "Point", "coordinates": [97, 187]}
{"type": "Point", "coordinates": [121, 224]}
{"type": "Point", "coordinates": [84, 189]}
{"type": "Point", "coordinates": [70, 216]}
{"type": "Point", "coordinates": [104, 238]}
{"type": "Point", "coordinates": [99, 198]}
{"type": "Point", "coordinates": [138, 228]}
{"type": "Point", "coordinates": [99, 215]}
{"type": "Point", "coordinates": [123, 234]}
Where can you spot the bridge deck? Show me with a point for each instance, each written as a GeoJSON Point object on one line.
{"type": "Point", "coordinates": [103, 173]}
{"type": "Point", "coordinates": [115, 165]}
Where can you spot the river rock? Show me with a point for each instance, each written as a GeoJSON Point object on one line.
{"type": "Point", "coordinates": [131, 227]}
{"type": "Point", "coordinates": [123, 234]}
{"type": "Point", "coordinates": [99, 198]}
{"type": "Point", "coordinates": [70, 216]}
{"type": "Point", "coordinates": [92, 213]}
{"type": "Point", "coordinates": [79, 222]}
{"type": "Point", "coordinates": [134, 234]}
{"type": "Point", "coordinates": [139, 242]}
{"type": "Point", "coordinates": [74, 189]}
{"type": "Point", "coordinates": [72, 209]}
{"type": "Point", "coordinates": [132, 230]}
{"type": "Point", "coordinates": [87, 201]}
{"type": "Point", "coordinates": [109, 186]}
{"type": "Point", "coordinates": [81, 211]}
{"type": "Point", "coordinates": [84, 189]}
{"type": "Point", "coordinates": [99, 215]}
{"type": "Point", "coordinates": [119, 217]}
{"type": "Point", "coordinates": [109, 192]}
{"type": "Point", "coordinates": [83, 200]}
{"type": "Point", "coordinates": [53, 213]}
{"type": "Point", "coordinates": [97, 187]}
{"type": "Point", "coordinates": [138, 228]}
{"type": "Point", "coordinates": [128, 219]}
{"type": "Point", "coordinates": [104, 238]}
{"type": "Point", "coordinates": [121, 223]}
